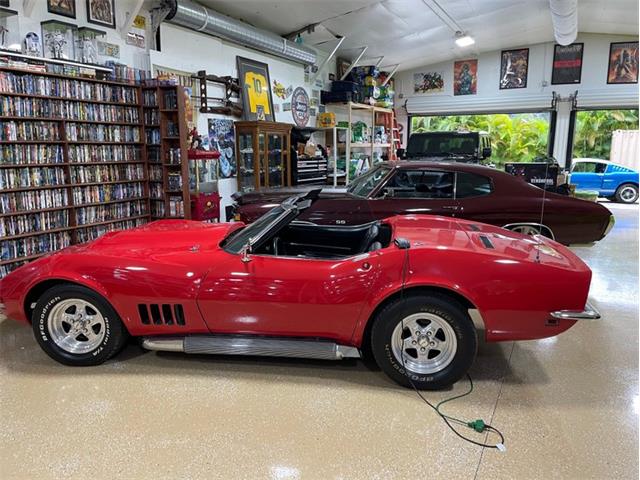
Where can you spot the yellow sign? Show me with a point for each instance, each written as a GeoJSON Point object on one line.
{"type": "Point", "coordinates": [139, 21]}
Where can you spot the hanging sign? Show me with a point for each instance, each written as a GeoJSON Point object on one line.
{"type": "Point", "coordinates": [300, 107]}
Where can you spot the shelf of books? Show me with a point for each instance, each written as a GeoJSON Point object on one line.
{"type": "Point", "coordinates": [72, 164]}
{"type": "Point", "coordinates": [167, 143]}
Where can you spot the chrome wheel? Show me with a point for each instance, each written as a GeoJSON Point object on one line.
{"type": "Point", "coordinates": [76, 326]}
{"type": "Point", "coordinates": [526, 230]}
{"type": "Point", "coordinates": [628, 194]}
{"type": "Point", "coordinates": [424, 343]}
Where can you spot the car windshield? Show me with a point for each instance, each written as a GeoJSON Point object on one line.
{"type": "Point", "coordinates": [440, 145]}
{"type": "Point", "coordinates": [363, 185]}
{"type": "Point", "coordinates": [237, 239]}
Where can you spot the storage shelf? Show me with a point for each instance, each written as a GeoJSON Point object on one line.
{"type": "Point", "coordinates": [31, 165]}
{"type": "Point", "coordinates": [115, 182]}
{"type": "Point", "coordinates": [39, 210]}
{"type": "Point", "coordinates": [70, 99]}
{"type": "Point", "coordinates": [36, 233]}
{"type": "Point", "coordinates": [68, 77]}
{"type": "Point", "coordinates": [25, 259]}
{"type": "Point", "coordinates": [128, 162]}
{"type": "Point", "coordinates": [65, 120]}
{"type": "Point", "coordinates": [27, 142]}
{"type": "Point", "coordinates": [107, 222]}
{"type": "Point", "coordinates": [97, 142]}
{"type": "Point", "coordinates": [110, 202]}
{"type": "Point", "coordinates": [41, 187]}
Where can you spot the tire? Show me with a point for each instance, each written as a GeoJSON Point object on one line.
{"type": "Point", "coordinates": [76, 326]}
{"type": "Point", "coordinates": [627, 193]}
{"type": "Point", "coordinates": [428, 370]}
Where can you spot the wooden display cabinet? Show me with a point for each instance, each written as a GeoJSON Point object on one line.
{"type": "Point", "coordinates": [263, 155]}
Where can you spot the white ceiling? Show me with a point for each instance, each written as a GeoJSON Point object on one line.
{"type": "Point", "coordinates": [408, 32]}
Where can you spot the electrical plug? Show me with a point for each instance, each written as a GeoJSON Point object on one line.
{"type": "Point", "coordinates": [478, 425]}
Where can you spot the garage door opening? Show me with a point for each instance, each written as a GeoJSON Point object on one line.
{"type": "Point", "coordinates": [515, 137]}
{"type": "Point", "coordinates": [594, 131]}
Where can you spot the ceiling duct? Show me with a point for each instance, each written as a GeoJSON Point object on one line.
{"type": "Point", "coordinates": [564, 16]}
{"type": "Point", "coordinates": [199, 18]}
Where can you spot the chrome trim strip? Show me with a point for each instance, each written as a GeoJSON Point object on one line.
{"type": "Point", "coordinates": [589, 313]}
{"type": "Point", "coordinates": [164, 344]}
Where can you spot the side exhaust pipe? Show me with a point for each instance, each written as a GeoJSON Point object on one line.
{"type": "Point", "coordinates": [250, 345]}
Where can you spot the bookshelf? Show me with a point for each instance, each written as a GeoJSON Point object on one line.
{"type": "Point", "coordinates": [73, 162]}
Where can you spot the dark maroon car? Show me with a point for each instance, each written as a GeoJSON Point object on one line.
{"type": "Point", "coordinates": [472, 192]}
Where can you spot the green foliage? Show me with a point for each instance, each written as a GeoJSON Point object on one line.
{"type": "Point", "coordinates": [514, 138]}
{"type": "Point", "coordinates": [594, 130]}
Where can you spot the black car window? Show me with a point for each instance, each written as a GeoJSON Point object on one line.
{"type": "Point", "coordinates": [472, 185]}
{"type": "Point", "coordinates": [420, 184]}
{"type": "Point", "coordinates": [589, 167]}
{"type": "Point", "coordinates": [363, 185]}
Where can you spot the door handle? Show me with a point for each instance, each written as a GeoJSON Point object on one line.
{"type": "Point", "coordinates": [450, 207]}
{"type": "Point", "coordinates": [366, 266]}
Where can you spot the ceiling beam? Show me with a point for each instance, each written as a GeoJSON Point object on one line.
{"type": "Point", "coordinates": [130, 17]}
{"type": "Point", "coordinates": [354, 63]}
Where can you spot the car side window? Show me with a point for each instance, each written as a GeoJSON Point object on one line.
{"type": "Point", "coordinates": [589, 167]}
{"type": "Point", "coordinates": [472, 185]}
{"type": "Point", "coordinates": [420, 184]}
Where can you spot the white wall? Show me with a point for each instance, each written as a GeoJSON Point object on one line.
{"type": "Point", "coordinates": [593, 89]}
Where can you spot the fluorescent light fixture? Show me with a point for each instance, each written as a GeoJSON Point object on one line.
{"type": "Point", "coordinates": [464, 40]}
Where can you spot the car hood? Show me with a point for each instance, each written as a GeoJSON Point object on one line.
{"type": "Point", "coordinates": [275, 197]}
{"type": "Point", "coordinates": [159, 238]}
{"type": "Point", "coordinates": [444, 233]}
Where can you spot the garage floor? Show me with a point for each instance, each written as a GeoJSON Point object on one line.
{"type": "Point", "coordinates": [568, 406]}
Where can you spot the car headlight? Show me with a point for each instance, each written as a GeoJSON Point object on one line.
{"type": "Point", "coordinates": [612, 222]}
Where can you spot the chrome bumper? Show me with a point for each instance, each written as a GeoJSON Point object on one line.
{"type": "Point", "coordinates": [589, 313]}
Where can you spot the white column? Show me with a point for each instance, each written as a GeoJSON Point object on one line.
{"type": "Point", "coordinates": [563, 108]}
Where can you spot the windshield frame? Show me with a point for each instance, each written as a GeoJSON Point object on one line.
{"type": "Point", "coordinates": [372, 193]}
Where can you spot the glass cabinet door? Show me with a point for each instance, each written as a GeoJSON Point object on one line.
{"type": "Point", "coordinates": [276, 160]}
{"type": "Point", "coordinates": [246, 162]}
{"type": "Point", "coordinates": [261, 158]}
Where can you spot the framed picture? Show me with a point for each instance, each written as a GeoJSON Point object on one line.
{"type": "Point", "coordinates": [465, 77]}
{"type": "Point", "coordinates": [567, 64]}
{"type": "Point", "coordinates": [254, 79]}
{"type": "Point", "coordinates": [623, 63]}
{"type": "Point", "coordinates": [66, 8]}
{"type": "Point", "coordinates": [101, 12]}
{"type": "Point", "coordinates": [5, 3]}
{"type": "Point", "coordinates": [514, 68]}
{"type": "Point", "coordinates": [429, 82]}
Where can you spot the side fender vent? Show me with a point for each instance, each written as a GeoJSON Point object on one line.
{"type": "Point", "coordinates": [161, 314]}
{"type": "Point", "coordinates": [486, 242]}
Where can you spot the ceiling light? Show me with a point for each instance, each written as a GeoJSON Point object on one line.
{"type": "Point", "coordinates": [463, 40]}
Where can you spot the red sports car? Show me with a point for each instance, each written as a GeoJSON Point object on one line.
{"type": "Point", "coordinates": [404, 289]}
{"type": "Point", "coordinates": [468, 191]}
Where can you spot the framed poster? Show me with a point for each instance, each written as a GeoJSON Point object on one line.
{"type": "Point", "coordinates": [623, 63]}
{"type": "Point", "coordinates": [465, 77]}
{"type": "Point", "coordinates": [514, 68]}
{"type": "Point", "coordinates": [429, 82]}
{"type": "Point", "coordinates": [222, 138]}
{"type": "Point", "coordinates": [567, 64]}
{"type": "Point", "coordinates": [66, 8]}
{"type": "Point", "coordinates": [5, 3]}
{"type": "Point", "coordinates": [254, 80]}
{"type": "Point", "coordinates": [101, 12]}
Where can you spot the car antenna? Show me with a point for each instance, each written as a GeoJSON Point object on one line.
{"type": "Point", "coordinates": [544, 196]}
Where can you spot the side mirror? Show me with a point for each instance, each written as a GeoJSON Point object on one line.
{"type": "Point", "coordinates": [244, 253]}
{"type": "Point", "coordinates": [486, 152]}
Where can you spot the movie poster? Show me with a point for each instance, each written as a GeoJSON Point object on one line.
{"type": "Point", "coordinates": [256, 90]}
{"type": "Point", "coordinates": [465, 77]}
{"type": "Point", "coordinates": [514, 68]}
{"type": "Point", "coordinates": [623, 63]}
{"type": "Point", "coordinates": [429, 82]}
{"type": "Point", "coordinates": [222, 139]}
{"type": "Point", "coordinates": [567, 64]}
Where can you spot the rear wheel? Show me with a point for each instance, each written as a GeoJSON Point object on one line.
{"type": "Point", "coordinates": [425, 340]}
{"type": "Point", "coordinates": [76, 326]}
{"type": "Point", "coordinates": [532, 230]}
{"type": "Point", "coordinates": [627, 193]}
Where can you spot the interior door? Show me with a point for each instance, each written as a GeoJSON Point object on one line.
{"type": "Point", "coordinates": [417, 191]}
{"type": "Point", "coordinates": [287, 296]}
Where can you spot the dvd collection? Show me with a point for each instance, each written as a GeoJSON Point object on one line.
{"type": "Point", "coordinates": [29, 131]}
{"type": "Point", "coordinates": [107, 193]}
{"type": "Point", "coordinates": [173, 130]}
{"type": "Point", "coordinates": [173, 156]}
{"type": "Point", "coordinates": [70, 89]}
{"type": "Point", "coordinates": [153, 154]}
{"type": "Point", "coordinates": [104, 213]}
{"type": "Point", "coordinates": [11, 178]}
{"type": "Point", "coordinates": [91, 233]}
{"type": "Point", "coordinates": [101, 133]}
{"type": "Point", "coordinates": [151, 116]}
{"type": "Point", "coordinates": [155, 173]}
{"type": "Point", "coordinates": [64, 109]}
{"type": "Point", "coordinates": [33, 222]}
{"type": "Point", "coordinates": [157, 208]}
{"type": "Point", "coordinates": [170, 100]}
{"type": "Point", "coordinates": [176, 208]}
{"type": "Point", "coordinates": [155, 191]}
{"type": "Point", "coordinates": [104, 153]}
{"type": "Point", "coordinates": [30, 154]}
{"type": "Point", "coordinates": [150, 98]}
{"type": "Point", "coordinates": [107, 173]}
{"type": "Point", "coordinates": [17, 202]}
{"type": "Point", "coordinates": [35, 245]}
{"type": "Point", "coordinates": [174, 181]}
{"type": "Point", "coordinates": [152, 136]}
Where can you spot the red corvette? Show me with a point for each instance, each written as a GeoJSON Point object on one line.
{"type": "Point", "coordinates": [404, 289]}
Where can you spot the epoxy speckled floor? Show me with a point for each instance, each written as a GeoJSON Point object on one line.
{"type": "Point", "coordinates": [568, 406]}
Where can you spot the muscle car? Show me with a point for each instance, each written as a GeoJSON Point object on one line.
{"type": "Point", "coordinates": [404, 289]}
{"type": "Point", "coordinates": [472, 192]}
{"type": "Point", "coordinates": [615, 182]}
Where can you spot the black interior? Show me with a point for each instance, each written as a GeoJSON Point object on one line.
{"type": "Point", "coordinates": [327, 241]}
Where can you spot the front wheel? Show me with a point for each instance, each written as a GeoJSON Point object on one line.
{"type": "Point", "coordinates": [76, 326]}
{"type": "Point", "coordinates": [426, 341]}
{"type": "Point", "coordinates": [627, 193]}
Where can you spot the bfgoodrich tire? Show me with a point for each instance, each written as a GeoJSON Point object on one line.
{"type": "Point", "coordinates": [627, 193]}
{"type": "Point", "coordinates": [76, 326]}
{"type": "Point", "coordinates": [426, 341]}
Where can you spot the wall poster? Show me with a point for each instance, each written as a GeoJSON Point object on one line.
{"type": "Point", "coordinates": [567, 64]}
{"type": "Point", "coordinates": [623, 63]}
{"type": "Point", "coordinates": [465, 77]}
{"type": "Point", "coordinates": [514, 68]}
{"type": "Point", "coordinates": [256, 92]}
